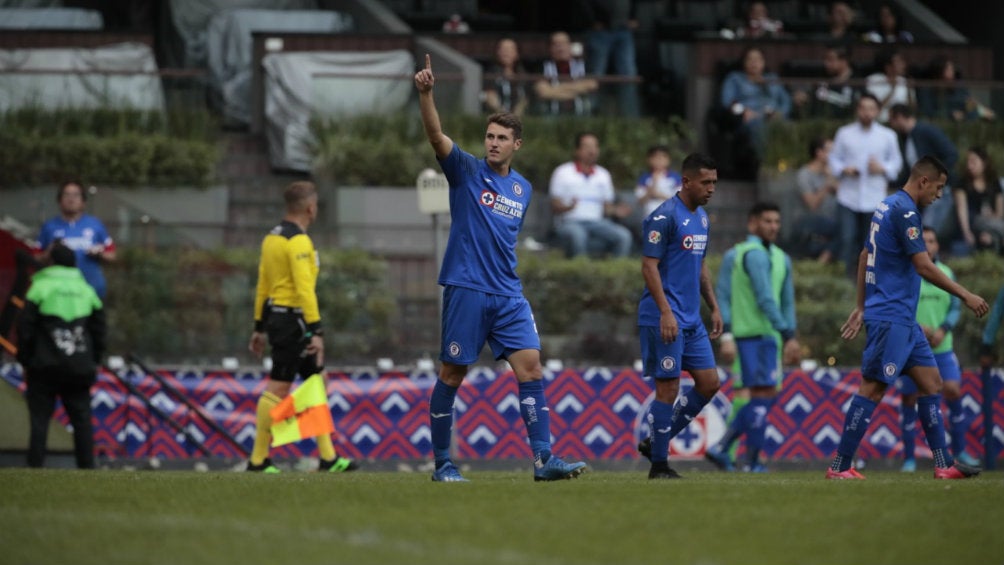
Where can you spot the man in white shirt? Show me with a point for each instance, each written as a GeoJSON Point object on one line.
{"type": "Point", "coordinates": [865, 159]}
{"type": "Point", "coordinates": [582, 196]}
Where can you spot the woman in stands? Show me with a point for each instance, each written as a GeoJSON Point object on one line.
{"type": "Point", "coordinates": [504, 91]}
{"type": "Point", "coordinates": [979, 203]}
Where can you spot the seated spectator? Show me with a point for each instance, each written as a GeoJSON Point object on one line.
{"type": "Point", "coordinates": [833, 98]}
{"type": "Point", "coordinates": [759, 24]}
{"type": "Point", "coordinates": [659, 183]}
{"type": "Point", "coordinates": [565, 90]}
{"type": "Point", "coordinates": [583, 199]}
{"type": "Point", "coordinates": [840, 28]}
{"type": "Point", "coordinates": [949, 99]}
{"type": "Point", "coordinates": [756, 97]}
{"type": "Point", "coordinates": [889, 27]}
{"type": "Point", "coordinates": [979, 202]}
{"type": "Point", "coordinates": [890, 85]}
{"type": "Point", "coordinates": [503, 90]}
{"type": "Point", "coordinates": [817, 228]}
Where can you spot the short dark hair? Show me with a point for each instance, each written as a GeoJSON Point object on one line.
{"type": "Point", "coordinates": [815, 144]}
{"type": "Point", "coordinates": [868, 96]}
{"type": "Point", "coordinates": [297, 194]}
{"type": "Point", "coordinates": [660, 148]}
{"type": "Point", "coordinates": [582, 135]}
{"type": "Point", "coordinates": [508, 120]}
{"type": "Point", "coordinates": [71, 182]}
{"type": "Point", "coordinates": [697, 161]}
{"type": "Point", "coordinates": [930, 229]}
{"type": "Point", "coordinates": [928, 164]}
{"type": "Point", "coordinates": [901, 110]}
{"type": "Point", "coordinates": [62, 255]}
{"type": "Point", "coordinates": [763, 206]}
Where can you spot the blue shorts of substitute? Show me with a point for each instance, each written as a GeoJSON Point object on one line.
{"type": "Point", "coordinates": [757, 360]}
{"type": "Point", "coordinates": [892, 348]}
{"type": "Point", "coordinates": [472, 317]}
{"type": "Point", "coordinates": [690, 350]}
{"type": "Point", "coordinates": [948, 366]}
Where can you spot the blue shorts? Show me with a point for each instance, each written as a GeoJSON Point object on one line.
{"type": "Point", "coordinates": [891, 349]}
{"type": "Point", "coordinates": [757, 360]}
{"type": "Point", "coordinates": [472, 317]}
{"type": "Point", "coordinates": [948, 366]}
{"type": "Point", "coordinates": [690, 350]}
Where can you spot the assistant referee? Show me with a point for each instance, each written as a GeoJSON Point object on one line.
{"type": "Point", "coordinates": [285, 310]}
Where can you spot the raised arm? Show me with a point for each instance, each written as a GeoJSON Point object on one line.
{"type": "Point", "coordinates": [424, 81]}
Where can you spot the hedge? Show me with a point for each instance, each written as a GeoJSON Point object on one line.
{"type": "Point", "coordinates": [120, 147]}
{"type": "Point", "coordinates": [195, 306]}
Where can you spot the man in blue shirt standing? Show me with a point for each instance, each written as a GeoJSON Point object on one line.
{"type": "Point", "coordinates": [890, 267]}
{"type": "Point", "coordinates": [482, 295]}
{"type": "Point", "coordinates": [672, 334]}
{"type": "Point", "coordinates": [81, 232]}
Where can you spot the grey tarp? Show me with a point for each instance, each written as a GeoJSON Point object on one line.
{"type": "Point", "coordinates": [229, 47]}
{"type": "Point", "coordinates": [191, 20]}
{"type": "Point", "coordinates": [50, 18]}
{"type": "Point", "coordinates": [371, 82]}
{"type": "Point", "coordinates": [78, 78]}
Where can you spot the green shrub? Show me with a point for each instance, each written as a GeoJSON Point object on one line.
{"type": "Point", "coordinates": [197, 306]}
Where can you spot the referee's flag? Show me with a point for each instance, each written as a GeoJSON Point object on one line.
{"type": "Point", "coordinates": [302, 414]}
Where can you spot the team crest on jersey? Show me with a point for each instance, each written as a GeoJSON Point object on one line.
{"type": "Point", "coordinates": [487, 198]}
{"type": "Point", "coordinates": [517, 189]}
{"type": "Point", "coordinates": [454, 349]}
{"type": "Point", "coordinates": [654, 236]}
{"type": "Point", "coordinates": [668, 363]}
{"type": "Point", "coordinates": [912, 232]}
{"type": "Point", "coordinates": [890, 369]}
{"type": "Point", "coordinates": [704, 221]}
{"type": "Point", "coordinates": [688, 242]}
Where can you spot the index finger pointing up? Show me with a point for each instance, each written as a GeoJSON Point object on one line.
{"type": "Point", "coordinates": [428, 62]}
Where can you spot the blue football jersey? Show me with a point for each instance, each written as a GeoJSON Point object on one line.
{"type": "Point", "coordinates": [892, 285]}
{"type": "Point", "coordinates": [679, 239]}
{"type": "Point", "coordinates": [80, 235]}
{"type": "Point", "coordinates": [486, 211]}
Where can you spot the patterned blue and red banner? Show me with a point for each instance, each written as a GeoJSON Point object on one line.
{"type": "Point", "coordinates": [596, 414]}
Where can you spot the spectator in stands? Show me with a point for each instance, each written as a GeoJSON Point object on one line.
{"type": "Point", "coordinates": [583, 201]}
{"type": "Point", "coordinates": [979, 203]}
{"type": "Point", "coordinates": [919, 138]}
{"type": "Point", "coordinates": [949, 99]}
{"type": "Point", "coordinates": [759, 24]}
{"type": "Point", "coordinates": [504, 89]}
{"type": "Point", "coordinates": [889, 85]}
{"type": "Point", "coordinates": [756, 96]}
{"type": "Point", "coordinates": [610, 46]}
{"type": "Point", "coordinates": [659, 183]}
{"type": "Point", "coordinates": [817, 229]}
{"type": "Point", "coordinates": [833, 98]}
{"type": "Point", "coordinates": [841, 23]}
{"type": "Point", "coordinates": [565, 90]}
{"type": "Point", "coordinates": [61, 340]}
{"type": "Point", "coordinates": [81, 232]}
{"type": "Point", "coordinates": [865, 159]}
{"type": "Point", "coordinates": [889, 28]}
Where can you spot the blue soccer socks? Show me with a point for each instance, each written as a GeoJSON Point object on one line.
{"type": "Point", "coordinates": [441, 420]}
{"type": "Point", "coordinates": [687, 408]}
{"type": "Point", "coordinates": [536, 416]}
{"type": "Point", "coordinates": [929, 414]}
{"type": "Point", "coordinates": [908, 427]}
{"type": "Point", "coordinates": [660, 419]}
{"type": "Point", "coordinates": [856, 421]}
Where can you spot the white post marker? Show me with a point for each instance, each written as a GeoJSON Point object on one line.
{"type": "Point", "coordinates": [434, 199]}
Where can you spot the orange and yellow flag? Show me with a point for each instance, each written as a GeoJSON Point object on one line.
{"type": "Point", "coordinates": [302, 414]}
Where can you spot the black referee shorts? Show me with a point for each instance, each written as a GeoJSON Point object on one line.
{"type": "Point", "coordinates": [287, 337]}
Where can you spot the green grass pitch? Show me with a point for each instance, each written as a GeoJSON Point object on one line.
{"type": "Point", "coordinates": [136, 517]}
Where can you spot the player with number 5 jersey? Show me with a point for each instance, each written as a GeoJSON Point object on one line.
{"type": "Point", "coordinates": [890, 268]}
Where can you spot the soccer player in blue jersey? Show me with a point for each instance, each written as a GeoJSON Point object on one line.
{"type": "Point", "coordinates": [672, 334]}
{"type": "Point", "coordinates": [937, 314]}
{"type": "Point", "coordinates": [890, 268]}
{"type": "Point", "coordinates": [81, 232]}
{"type": "Point", "coordinates": [482, 296]}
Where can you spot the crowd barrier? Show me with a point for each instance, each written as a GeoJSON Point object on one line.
{"type": "Point", "coordinates": [596, 414]}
